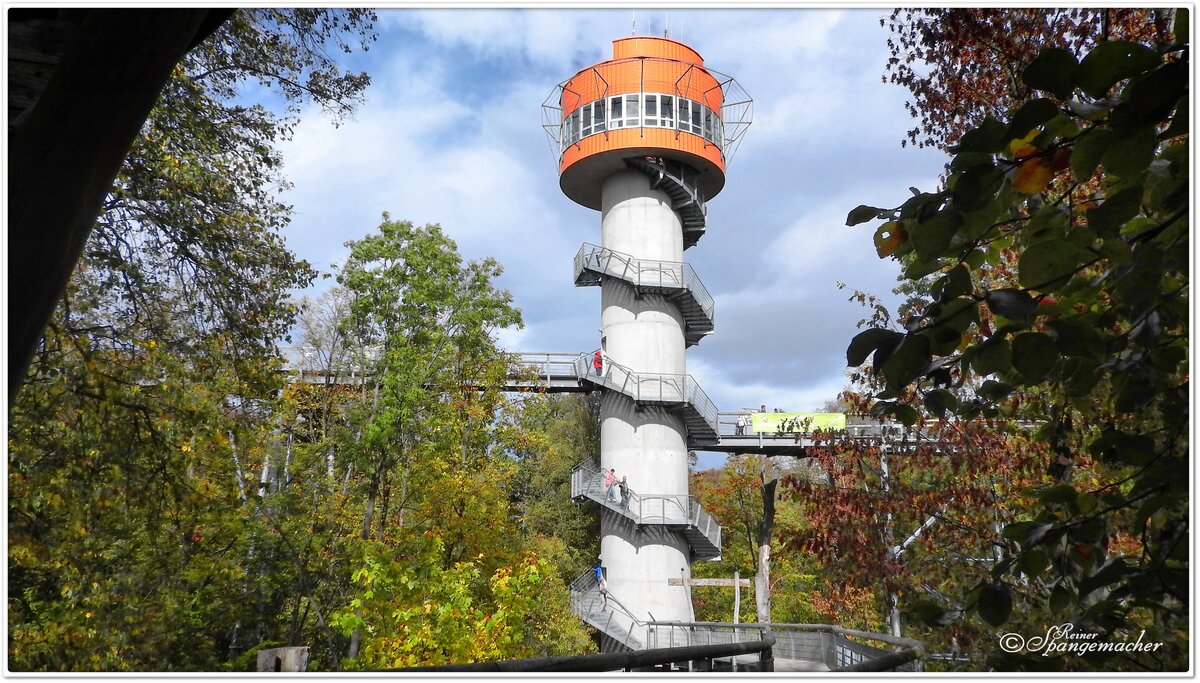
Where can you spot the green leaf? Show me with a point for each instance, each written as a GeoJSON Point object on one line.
{"type": "Point", "coordinates": [927, 612]}
{"type": "Point", "coordinates": [1017, 531]}
{"type": "Point", "coordinates": [907, 361]}
{"type": "Point", "coordinates": [919, 268]}
{"type": "Point", "coordinates": [1049, 221]}
{"type": "Point", "coordinates": [932, 237]}
{"type": "Point", "coordinates": [1077, 338]}
{"type": "Point", "coordinates": [1031, 115]}
{"type": "Point", "coordinates": [995, 603]}
{"type": "Point", "coordinates": [1048, 263]}
{"type": "Point", "coordinates": [1117, 251]}
{"type": "Point", "coordinates": [1138, 286]}
{"type": "Point", "coordinates": [865, 342]}
{"type": "Point", "coordinates": [956, 282]}
{"type": "Point", "coordinates": [1061, 598]}
{"type": "Point", "coordinates": [939, 401]}
{"type": "Point", "coordinates": [1150, 99]}
{"type": "Point", "coordinates": [1033, 562]}
{"type": "Point", "coordinates": [921, 206]}
{"type": "Point", "coordinates": [958, 314]}
{"type": "Point", "coordinates": [1089, 149]}
{"type": "Point", "coordinates": [1033, 355]}
{"type": "Point", "coordinates": [1113, 61]}
{"type": "Point", "coordinates": [1053, 71]}
{"type": "Point", "coordinates": [1013, 304]}
{"type": "Point", "coordinates": [1129, 155]}
{"type": "Point", "coordinates": [1081, 375]}
{"type": "Point", "coordinates": [1134, 393]}
{"type": "Point", "coordinates": [989, 136]}
{"type": "Point", "coordinates": [1179, 120]}
{"type": "Point", "coordinates": [864, 213]}
{"type": "Point", "coordinates": [976, 186]}
{"type": "Point", "coordinates": [994, 391]}
{"type": "Point", "coordinates": [1109, 573]}
{"type": "Point", "coordinates": [993, 356]}
{"type": "Point", "coordinates": [904, 413]}
{"type": "Point", "coordinates": [1062, 494]}
{"type": "Point", "coordinates": [1107, 218]}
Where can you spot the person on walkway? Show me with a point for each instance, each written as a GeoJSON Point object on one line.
{"type": "Point", "coordinates": [598, 362]}
{"type": "Point", "coordinates": [604, 594]}
{"type": "Point", "coordinates": [599, 569]}
{"type": "Point", "coordinates": [741, 424]}
{"type": "Point", "coordinates": [624, 486]}
{"type": "Point", "coordinates": [610, 480]}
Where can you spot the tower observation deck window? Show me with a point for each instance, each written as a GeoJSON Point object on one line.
{"type": "Point", "coordinates": [651, 110]}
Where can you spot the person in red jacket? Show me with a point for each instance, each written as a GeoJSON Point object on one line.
{"type": "Point", "coordinates": [598, 362]}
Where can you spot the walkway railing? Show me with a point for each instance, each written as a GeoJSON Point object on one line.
{"type": "Point", "coordinates": [702, 530]}
{"type": "Point", "coordinates": [658, 388]}
{"type": "Point", "coordinates": [610, 616]}
{"type": "Point", "coordinates": [645, 273]}
{"type": "Point", "coordinates": [835, 647]}
{"type": "Point", "coordinates": [698, 658]}
{"type": "Point", "coordinates": [886, 435]}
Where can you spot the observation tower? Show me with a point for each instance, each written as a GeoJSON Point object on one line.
{"type": "Point", "coordinates": [644, 138]}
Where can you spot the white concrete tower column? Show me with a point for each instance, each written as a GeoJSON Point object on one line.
{"type": "Point", "coordinates": [645, 335]}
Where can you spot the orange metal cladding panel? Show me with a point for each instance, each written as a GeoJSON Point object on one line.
{"type": "Point", "coordinates": [649, 46]}
{"type": "Point", "coordinates": [629, 138]}
{"type": "Point", "coordinates": [640, 75]}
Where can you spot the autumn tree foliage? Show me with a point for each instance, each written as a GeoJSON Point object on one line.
{"type": "Point", "coordinates": [1066, 317]}
{"type": "Point", "coordinates": [961, 65]}
{"type": "Point", "coordinates": [180, 500]}
{"type": "Point", "coordinates": [144, 418]}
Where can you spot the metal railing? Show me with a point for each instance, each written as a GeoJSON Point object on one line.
{"type": "Point", "coordinates": [835, 647]}
{"type": "Point", "coordinates": [550, 366]}
{"type": "Point", "coordinates": [886, 435]}
{"type": "Point", "coordinates": [662, 388]}
{"type": "Point", "coordinates": [619, 623]}
{"type": "Point", "coordinates": [647, 508]}
{"type": "Point", "coordinates": [645, 273]}
{"type": "Point", "coordinates": [674, 658]}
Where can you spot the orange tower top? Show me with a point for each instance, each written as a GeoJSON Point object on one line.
{"type": "Point", "coordinates": [654, 98]}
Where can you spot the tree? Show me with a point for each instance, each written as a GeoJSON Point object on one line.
{"type": "Point", "coordinates": [426, 436]}
{"type": "Point", "coordinates": [964, 64]}
{"type": "Point", "coordinates": [1071, 312]}
{"type": "Point", "coordinates": [789, 586]}
{"type": "Point", "coordinates": [150, 403]}
{"type": "Point", "coordinates": [555, 433]}
{"type": "Point", "coordinates": [70, 134]}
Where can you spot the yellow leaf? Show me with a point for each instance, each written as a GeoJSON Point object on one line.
{"type": "Point", "coordinates": [889, 237]}
{"type": "Point", "coordinates": [1033, 176]}
{"type": "Point", "coordinates": [1023, 147]}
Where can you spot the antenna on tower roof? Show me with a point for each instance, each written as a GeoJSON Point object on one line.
{"type": "Point", "coordinates": [666, 25]}
{"type": "Point", "coordinates": [633, 22]}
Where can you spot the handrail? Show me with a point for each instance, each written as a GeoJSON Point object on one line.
{"type": "Point", "coordinates": [660, 387]}
{"type": "Point", "coordinates": [828, 628]}
{"type": "Point", "coordinates": [832, 646]}
{"type": "Point", "coordinates": [610, 662]}
{"type": "Point", "coordinates": [642, 505]}
{"type": "Point", "coordinates": [585, 582]}
{"type": "Point", "coordinates": [646, 273]}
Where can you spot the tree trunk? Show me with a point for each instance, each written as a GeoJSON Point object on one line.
{"type": "Point", "coordinates": [762, 578]}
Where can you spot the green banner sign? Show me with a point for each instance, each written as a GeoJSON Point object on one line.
{"type": "Point", "coordinates": [772, 423]}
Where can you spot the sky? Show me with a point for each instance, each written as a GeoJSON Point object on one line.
{"type": "Point", "coordinates": [450, 133]}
